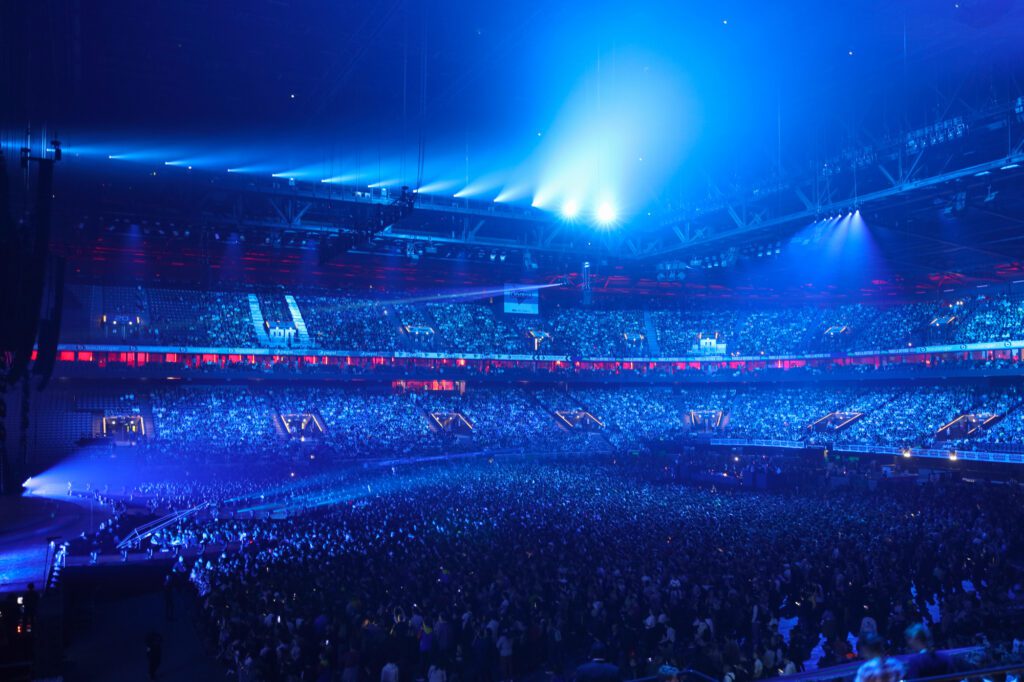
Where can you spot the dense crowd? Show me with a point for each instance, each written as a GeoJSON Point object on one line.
{"type": "Point", "coordinates": [495, 570]}
{"type": "Point", "coordinates": [233, 418]}
{"type": "Point", "coordinates": [337, 321]}
{"type": "Point", "coordinates": [633, 417]}
{"type": "Point", "coordinates": [351, 323]}
{"type": "Point", "coordinates": [506, 419]}
{"type": "Point", "coordinates": [368, 422]}
{"type": "Point", "coordinates": [203, 318]}
{"type": "Point", "coordinates": [472, 328]}
{"type": "Point", "coordinates": [785, 413]}
{"type": "Point", "coordinates": [599, 333]}
{"type": "Point", "coordinates": [999, 319]}
{"type": "Point", "coordinates": [679, 331]}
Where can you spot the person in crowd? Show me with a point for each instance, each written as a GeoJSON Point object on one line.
{"type": "Point", "coordinates": [924, 660]}
{"type": "Point", "coordinates": [597, 669]}
{"type": "Point", "coordinates": [389, 673]}
{"type": "Point", "coordinates": [878, 666]}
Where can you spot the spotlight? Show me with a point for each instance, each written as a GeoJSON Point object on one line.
{"type": "Point", "coordinates": [570, 209]}
{"type": "Point", "coordinates": [606, 214]}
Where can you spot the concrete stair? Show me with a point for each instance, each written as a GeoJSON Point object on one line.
{"type": "Point", "coordinates": [652, 334]}
{"type": "Point", "coordinates": [146, 412]}
{"type": "Point", "coordinates": [258, 323]}
{"type": "Point", "coordinates": [301, 333]}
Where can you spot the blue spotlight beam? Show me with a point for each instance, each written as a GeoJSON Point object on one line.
{"type": "Point", "coordinates": [471, 294]}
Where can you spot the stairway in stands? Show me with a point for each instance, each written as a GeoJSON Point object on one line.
{"type": "Point", "coordinates": [282, 433]}
{"type": "Point", "coordinates": [257, 320]}
{"type": "Point", "coordinates": [301, 333]}
{"type": "Point", "coordinates": [545, 408]}
{"type": "Point", "coordinates": [652, 335]}
{"type": "Point", "coordinates": [597, 441]}
{"type": "Point", "coordinates": [145, 402]}
{"type": "Point", "coordinates": [95, 311]}
{"type": "Point", "coordinates": [414, 314]}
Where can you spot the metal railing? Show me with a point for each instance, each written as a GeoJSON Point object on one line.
{"type": "Point", "coordinates": [682, 674]}
{"type": "Point", "coordinates": [844, 672]}
{"type": "Point", "coordinates": [142, 532]}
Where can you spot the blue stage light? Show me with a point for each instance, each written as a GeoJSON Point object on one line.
{"type": "Point", "coordinates": [570, 209]}
{"type": "Point", "coordinates": [606, 213]}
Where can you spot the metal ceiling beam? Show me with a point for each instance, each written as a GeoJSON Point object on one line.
{"type": "Point", "coordinates": [846, 203]}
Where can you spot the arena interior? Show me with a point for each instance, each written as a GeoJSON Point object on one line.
{"type": "Point", "coordinates": [475, 341]}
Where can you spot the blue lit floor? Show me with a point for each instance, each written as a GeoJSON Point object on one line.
{"type": "Point", "coordinates": [26, 523]}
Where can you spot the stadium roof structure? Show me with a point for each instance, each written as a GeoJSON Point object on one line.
{"type": "Point", "coordinates": [299, 122]}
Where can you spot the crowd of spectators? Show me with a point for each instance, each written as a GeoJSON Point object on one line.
{"type": "Point", "coordinates": [611, 333]}
{"type": "Point", "coordinates": [200, 318]}
{"type": "Point", "coordinates": [679, 331]}
{"type": "Point", "coordinates": [785, 413]}
{"type": "Point", "coordinates": [225, 417]}
{"type": "Point", "coordinates": [349, 323]}
{"type": "Point", "coordinates": [474, 328]}
{"type": "Point", "coordinates": [504, 419]}
{"type": "Point", "coordinates": [633, 417]}
{"type": "Point", "coordinates": [366, 424]}
{"type": "Point", "coordinates": [182, 317]}
{"type": "Point", "coordinates": [494, 570]}
{"type": "Point", "coordinates": [194, 420]}
{"type": "Point", "coordinates": [911, 416]}
{"type": "Point", "coordinates": [211, 421]}
{"type": "Point", "coordinates": [995, 319]}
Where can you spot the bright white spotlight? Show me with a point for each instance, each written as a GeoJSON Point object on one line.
{"type": "Point", "coordinates": [606, 213]}
{"type": "Point", "coordinates": [570, 209]}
